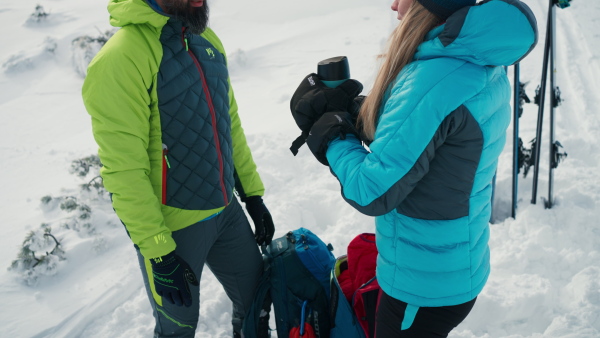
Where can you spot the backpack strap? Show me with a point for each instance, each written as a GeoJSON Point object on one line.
{"type": "Point", "coordinates": [256, 325]}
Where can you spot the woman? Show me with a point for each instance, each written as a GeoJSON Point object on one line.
{"type": "Point", "coordinates": [435, 122]}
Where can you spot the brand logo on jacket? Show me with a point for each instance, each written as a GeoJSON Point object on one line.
{"type": "Point", "coordinates": [210, 53]}
{"type": "Point", "coordinates": [160, 239]}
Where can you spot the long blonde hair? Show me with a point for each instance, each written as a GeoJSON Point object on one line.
{"type": "Point", "coordinates": [400, 51]}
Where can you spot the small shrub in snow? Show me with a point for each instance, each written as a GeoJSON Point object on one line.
{"type": "Point", "coordinates": [69, 204]}
{"type": "Point", "coordinates": [49, 45]}
{"type": "Point", "coordinates": [95, 184]}
{"type": "Point", "coordinates": [237, 60]}
{"type": "Point", "coordinates": [82, 166]}
{"type": "Point", "coordinates": [24, 61]}
{"type": "Point", "coordinates": [17, 63]}
{"type": "Point", "coordinates": [42, 251]}
{"type": "Point", "coordinates": [39, 256]}
{"type": "Point", "coordinates": [39, 15]}
{"type": "Point", "coordinates": [84, 48]}
{"type": "Point", "coordinates": [80, 215]}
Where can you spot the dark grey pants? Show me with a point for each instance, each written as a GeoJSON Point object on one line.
{"type": "Point", "coordinates": [224, 243]}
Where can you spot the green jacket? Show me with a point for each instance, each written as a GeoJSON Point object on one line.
{"type": "Point", "coordinates": [167, 126]}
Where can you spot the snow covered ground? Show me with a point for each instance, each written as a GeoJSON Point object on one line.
{"type": "Point", "coordinates": [546, 263]}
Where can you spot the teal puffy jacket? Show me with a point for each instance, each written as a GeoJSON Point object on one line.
{"type": "Point", "coordinates": [428, 175]}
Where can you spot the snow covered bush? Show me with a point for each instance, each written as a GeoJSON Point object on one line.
{"type": "Point", "coordinates": [237, 61]}
{"type": "Point", "coordinates": [84, 48]}
{"type": "Point", "coordinates": [26, 60]}
{"type": "Point", "coordinates": [40, 255]}
{"type": "Point", "coordinates": [82, 166]}
{"type": "Point", "coordinates": [78, 216]}
{"type": "Point", "coordinates": [38, 15]}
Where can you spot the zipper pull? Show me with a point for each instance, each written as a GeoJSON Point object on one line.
{"type": "Point", "coordinates": [184, 36]}
{"type": "Point", "coordinates": [165, 150]}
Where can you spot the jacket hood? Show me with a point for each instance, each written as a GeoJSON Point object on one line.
{"type": "Point", "coordinates": [491, 33]}
{"type": "Point", "coordinates": [128, 12]}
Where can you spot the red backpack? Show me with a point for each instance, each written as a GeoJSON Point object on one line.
{"type": "Point", "coordinates": [356, 275]}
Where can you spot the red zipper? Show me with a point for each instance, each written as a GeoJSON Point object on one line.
{"type": "Point", "coordinates": [213, 115]}
{"type": "Point", "coordinates": [165, 167]}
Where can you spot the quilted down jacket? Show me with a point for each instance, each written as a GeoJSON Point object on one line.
{"type": "Point", "coordinates": [428, 175]}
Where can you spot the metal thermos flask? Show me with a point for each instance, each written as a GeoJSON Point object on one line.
{"type": "Point", "coordinates": [333, 71]}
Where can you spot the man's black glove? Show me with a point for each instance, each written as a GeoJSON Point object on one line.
{"type": "Point", "coordinates": [330, 126]}
{"type": "Point", "coordinates": [261, 217]}
{"type": "Point", "coordinates": [313, 98]}
{"type": "Point", "coordinates": [172, 276]}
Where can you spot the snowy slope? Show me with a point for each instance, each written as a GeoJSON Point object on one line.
{"type": "Point", "coordinates": [545, 279]}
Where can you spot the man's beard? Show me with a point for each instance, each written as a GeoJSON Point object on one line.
{"type": "Point", "coordinates": [195, 18]}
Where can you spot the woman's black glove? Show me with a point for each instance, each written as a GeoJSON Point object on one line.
{"type": "Point", "coordinates": [330, 126]}
{"type": "Point", "coordinates": [172, 276]}
{"type": "Point", "coordinates": [313, 98]}
{"type": "Point", "coordinates": [261, 217]}
{"type": "Point", "coordinates": [358, 101]}
{"type": "Point", "coordinates": [358, 104]}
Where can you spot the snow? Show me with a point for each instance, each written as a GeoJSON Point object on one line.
{"type": "Point", "coordinates": [545, 278]}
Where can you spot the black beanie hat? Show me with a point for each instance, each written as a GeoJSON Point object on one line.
{"type": "Point", "coordinates": [445, 8]}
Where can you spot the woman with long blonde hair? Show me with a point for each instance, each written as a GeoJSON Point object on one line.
{"type": "Point", "coordinates": [435, 122]}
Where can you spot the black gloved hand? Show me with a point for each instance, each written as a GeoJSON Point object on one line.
{"type": "Point", "coordinates": [358, 101]}
{"type": "Point", "coordinates": [358, 104]}
{"type": "Point", "coordinates": [261, 217]}
{"type": "Point", "coordinates": [313, 98]}
{"type": "Point", "coordinates": [172, 276]}
{"type": "Point", "coordinates": [328, 127]}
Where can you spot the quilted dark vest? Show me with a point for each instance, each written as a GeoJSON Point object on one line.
{"type": "Point", "coordinates": [193, 102]}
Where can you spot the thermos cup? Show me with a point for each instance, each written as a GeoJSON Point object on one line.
{"type": "Point", "coordinates": [333, 71]}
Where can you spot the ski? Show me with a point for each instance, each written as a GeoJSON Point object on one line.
{"type": "Point", "coordinates": [555, 156]}
{"type": "Point", "coordinates": [555, 99]}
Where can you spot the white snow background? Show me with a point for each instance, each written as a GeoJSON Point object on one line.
{"type": "Point", "coordinates": [545, 279]}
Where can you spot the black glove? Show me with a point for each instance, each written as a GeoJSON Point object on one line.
{"type": "Point", "coordinates": [358, 101]}
{"type": "Point", "coordinates": [330, 126]}
{"type": "Point", "coordinates": [261, 217]}
{"type": "Point", "coordinates": [313, 98]}
{"type": "Point", "coordinates": [172, 276]}
{"type": "Point", "coordinates": [358, 104]}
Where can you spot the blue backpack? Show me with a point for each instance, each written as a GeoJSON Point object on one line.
{"type": "Point", "coordinates": [299, 281]}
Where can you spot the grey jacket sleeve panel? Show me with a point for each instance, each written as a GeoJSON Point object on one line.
{"type": "Point", "coordinates": [444, 193]}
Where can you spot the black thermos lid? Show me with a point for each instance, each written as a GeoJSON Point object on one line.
{"type": "Point", "coordinates": [333, 69]}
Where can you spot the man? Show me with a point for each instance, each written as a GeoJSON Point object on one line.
{"type": "Point", "coordinates": [173, 149]}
